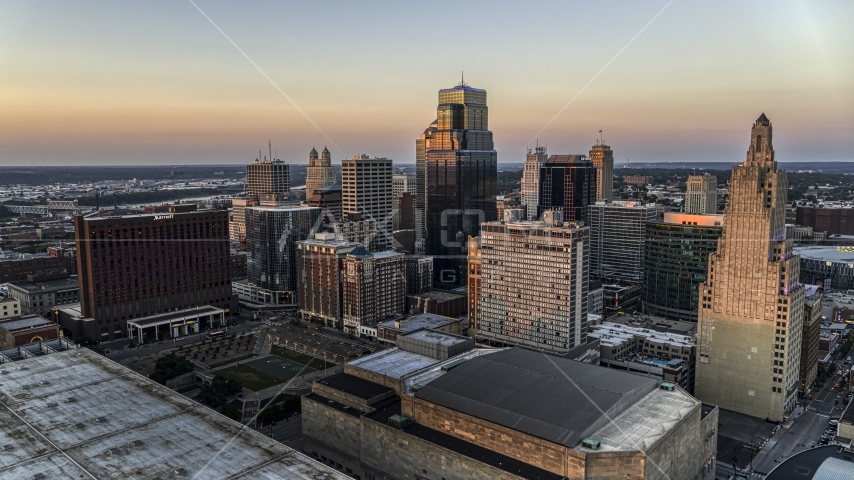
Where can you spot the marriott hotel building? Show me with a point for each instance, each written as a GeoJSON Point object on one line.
{"type": "Point", "coordinates": [135, 266]}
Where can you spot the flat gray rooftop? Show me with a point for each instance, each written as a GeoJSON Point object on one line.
{"type": "Point", "coordinates": [826, 254]}
{"type": "Point", "coordinates": [49, 285]}
{"type": "Point", "coordinates": [78, 415]}
{"type": "Point", "coordinates": [27, 321]}
{"type": "Point", "coordinates": [530, 392]}
{"type": "Point", "coordinates": [437, 338]}
{"type": "Point", "coordinates": [420, 322]}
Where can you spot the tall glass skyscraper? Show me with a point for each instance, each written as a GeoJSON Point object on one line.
{"type": "Point", "coordinates": [457, 160]}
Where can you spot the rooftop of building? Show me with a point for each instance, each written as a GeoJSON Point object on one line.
{"type": "Point", "coordinates": [8, 300]}
{"type": "Point", "coordinates": [821, 463]}
{"type": "Point", "coordinates": [8, 256]}
{"type": "Point", "coordinates": [419, 322]}
{"type": "Point", "coordinates": [826, 254]}
{"type": "Point", "coordinates": [335, 187]}
{"type": "Point", "coordinates": [694, 219]}
{"type": "Point", "coordinates": [48, 285]}
{"type": "Point", "coordinates": [438, 338]}
{"type": "Point", "coordinates": [285, 207]}
{"type": "Point", "coordinates": [528, 391]}
{"type": "Point", "coordinates": [355, 386]}
{"type": "Point", "coordinates": [579, 158]}
{"type": "Point", "coordinates": [610, 334]}
{"type": "Point", "coordinates": [329, 243]}
{"type": "Point", "coordinates": [102, 420]}
{"type": "Point", "coordinates": [623, 204]}
{"type": "Point", "coordinates": [658, 324]}
{"type": "Point", "coordinates": [107, 215]}
{"type": "Point", "coordinates": [463, 86]}
{"type": "Point", "coordinates": [25, 322]}
{"type": "Point", "coordinates": [393, 363]}
{"type": "Point", "coordinates": [439, 295]}
{"type": "Point", "coordinates": [645, 422]}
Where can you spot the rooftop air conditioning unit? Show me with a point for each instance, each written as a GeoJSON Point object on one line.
{"type": "Point", "coordinates": [399, 421]}
{"type": "Point", "coordinates": [668, 386]}
{"type": "Point", "coordinates": [591, 443]}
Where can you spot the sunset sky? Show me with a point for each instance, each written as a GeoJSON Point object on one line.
{"type": "Point", "coordinates": [104, 82]}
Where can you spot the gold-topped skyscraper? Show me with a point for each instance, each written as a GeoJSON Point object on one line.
{"type": "Point", "coordinates": [319, 173]}
{"type": "Point", "coordinates": [603, 161]}
{"type": "Point", "coordinates": [752, 303]}
{"type": "Point", "coordinates": [457, 162]}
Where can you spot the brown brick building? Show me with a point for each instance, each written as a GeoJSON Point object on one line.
{"type": "Point", "coordinates": [135, 266]}
{"type": "Point", "coordinates": [26, 329]}
{"type": "Point", "coordinates": [834, 221]}
{"type": "Point", "coordinates": [810, 339]}
{"type": "Point", "coordinates": [16, 269]}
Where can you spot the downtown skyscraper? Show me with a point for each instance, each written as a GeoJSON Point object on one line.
{"type": "Point", "coordinates": [457, 161]}
{"type": "Point", "coordinates": [319, 172]}
{"type": "Point", "coordinates": [752, 303]}
{"type": "Point", "coordinates": [603, 161]}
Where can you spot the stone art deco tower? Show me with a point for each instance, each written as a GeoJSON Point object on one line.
{"type": "Point", "coordinates": [752, 304]}
{"type": "Point", "coordinates": [319, 173]}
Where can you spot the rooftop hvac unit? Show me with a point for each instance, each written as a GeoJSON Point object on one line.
{"type": "Point", "coordinates": [399, 421]}
{"type": "Point", "coordinates": [591, 443]}
{"type": "Point", "coordinates": [450, 366]}
{"type": "Point", "coordinates": [668, 386]}
{"type": "Point", "coordinates": [415, 387]}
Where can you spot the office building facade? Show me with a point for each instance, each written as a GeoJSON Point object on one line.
{"type": "Point", "coordinates": [267, 176]}
{"type": "Point", "coordinates": [832, 220]}
{"type": "Point", "coordinates": [328, 199]}
{"type": "Point", "coordinates": [136, 266]}
{"type": "Point", "coordinates": [534, 283]}
{"type": "Point", "coordinates": [419, 274]}
{"type": "Point", "coordinates": [237, 222]}
{"type": "Point", "coordinates": [676, 262]}
{"type": "Point", "coordinates": [618, 240]}
{"type": "Point", "coordinates": [320, 272]}
{"type": "Point", "coordinates": [404, 182]}
{"type": "Point", "coordinates": [460, 179]}
{"type": "Point", "coordinates": [603, 161]}
{"type": "Point", "coordinates": [567, 182]}
{"type": "Point", "coordinates": [701, 195]}
{"type": "Point", "coordinates": [810, 339]}
{"type": "Point", "coordinates": [272, 235]}
{"type": "Point", "coordinates": [373, 287]}
{"type": "Point", "coordinates": [319, 172]}
{"type": "Point", "coordinates": [531, 180]}
{"type": "Point", "coordinates": [752, 304]}
{"type": "Point", "coordinates": [366, 189]}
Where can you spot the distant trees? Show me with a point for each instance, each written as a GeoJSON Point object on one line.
{"type": "Point", "coordinates": [169, 367]}
{"type": "Point", "coordinates": [216, 394]}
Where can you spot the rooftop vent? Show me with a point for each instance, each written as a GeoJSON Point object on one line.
{"type": "Point", "coordinates": [114, 451]}
{"type": "Point", "coordinates": [450, 366]}
{"type": "Point", "coordinates": [38, 476]}
{"type": "Point", "coordinates": [179, 472]}
{"type": "Point", "coordinates": [7, 448]}
{"type": "Point", "coordinates": [399, 421]}
{"type": "Point", "coordinates": [667, 386]}
{"type": "Point", "coordinates": [136, 443]}
{"type": "Point", "coordinates": [44, 382]}
{"type": "Point", "coordinates": [81, 426]}
{"type": "Point", "coordinates": [415, 387]}
{"type": "Point", "coordinates": [52, 404]}
{"type": "Point", "coordinates": [591, 443]}
{"type": "Point", "coordinates": [101, 420]}
{"type": "Point", "coordinates": [70, 400]}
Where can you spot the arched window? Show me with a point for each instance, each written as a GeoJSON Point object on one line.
{"type": "Point", "coordinates": [758, 143]}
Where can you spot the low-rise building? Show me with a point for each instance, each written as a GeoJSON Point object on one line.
{"type": "Point", "coordinates": [435, 408]}
{"type": "Point", "coordinates": [39, 294]}
{"type": "Point", "coordinates": [9, 307]}
{"type": "Point", "coordinates": [438, 302]}
{"type": "Point", "coordinates": [18, 331]}
{"type": "Point", "coordinates": [390, 330]}
{"type": "Point", "coordinates": [667, 356]}
{"type": "Point", "coordinates": [16, 267]}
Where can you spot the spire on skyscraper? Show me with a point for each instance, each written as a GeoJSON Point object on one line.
{"type": "Point", "coordinates": [763, 120]}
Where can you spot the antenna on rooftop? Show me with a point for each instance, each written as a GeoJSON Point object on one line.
{"type": "Point", "coordinates": [270, 146]}
{"type": "Point", "coordinates": [601, 141]}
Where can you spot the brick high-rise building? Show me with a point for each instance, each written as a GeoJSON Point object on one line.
{"type": "Point", "coordinates": [752, 305]}
{"type": "Point", "coordinates": [320, 270]}
{"type": "Point", "coordinates": [419, 274]}
{"type": "Point", "coordinates": [701, 195]}
{"type": "Point", "coordinates": [366, 188]}
{"type": "Point", "coordinates": [403, 205]}
{"type": "Point", "coordinates": [531, 179]}
{"type": "Point", "coordinates": [567, 182]}
{"type": "Point", "coordinates": [534, 281]}
{"type": "Point", "coordinates": [328, 198]}
{"type": "Point", "coordinates": [373, 287]}
{"type": "Point", "coordinates": [603, 161]}
{"type": "Point", "coordinates": [810, 339]}
{"type": "Point", "coordinates": [474, 282]}
{"type": "Point", "coordinates": [267, 176]}
{"type": "Point", "coordinates": [136, 266]}
{"type": "Point", "coordinates": [319, 172]}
